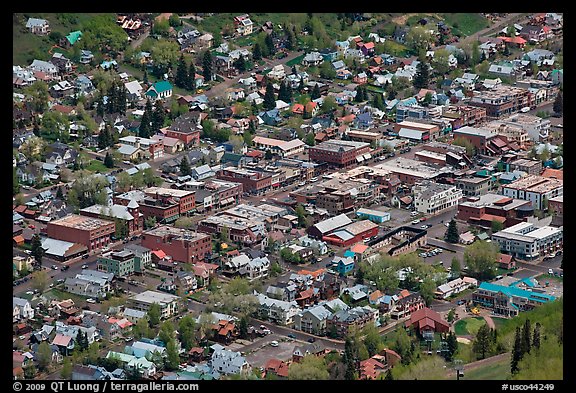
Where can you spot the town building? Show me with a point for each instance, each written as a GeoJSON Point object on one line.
{"type": "Point", "coordinates": [344, 321]}
{"type": "Point", "coordinates": [121, 263]}
{"type": "Point", "coordinates": [454, 287]}
{"type": "Point", "coordinates": [432, 198]}
{"type": "Point", "coordinates": [526, 241]}
{"type": "Point", "coordinates": [427, 320]}
{"type": "Point", "coordinates": [474, 185]}
{"type": "Point", "coordinates": [129, 215]}
{"type": "Point", "coordinates": [352, 233]}
{"type": "Point", "coordinates": [253, 182]}
{"type": "Point", "coordinates": [90, 283]}
{"type": "Point", "coordinates": [502, 100]}
{"type": "Point", "coordinates": [508, 301]}
{"type": "Point", "coordinates": [278, 311]}
{"type": "Point", "coordinates": [536, 189]}
{"type": "Point", "coordinates": [536, 127]}
{"type": "Point", "coordinates": [420, 132]}
{"type": "Point", "coordinates": [279, 147]}
{"type": "Point", "coordinates": [376, 216]}
{"type": "Point", "coordinates": [486, 208]}
{"type": "Point", "coordinates": [142, 302]}
{"type": "Point", "coordinates": [93, 233]}
{"type": "Point", "coordinates": [181, 244]}
{"type": "Point", "coordinates": [340, 153]}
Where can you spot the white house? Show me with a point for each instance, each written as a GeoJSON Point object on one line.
{"type": "Point", "coordinates": [281, 312]}
{"type": "Point", "coordinates": [22, 309]}
{"type": "Point", "coordinates": [225, 361]}
{"type": "Point", "coordinates": [134, 90]}
{"type": "Point", "coordinates": [455, 286]}
{"type": "Point", "coordinates": [431, 198]}
{"type": "Point", "coordinates": [38, 26]}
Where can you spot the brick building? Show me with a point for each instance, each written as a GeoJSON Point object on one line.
{"type": "Point", "coordinates": [92, 232]}
{"type": "Point", "coordinates": [253, 182]}
{"type": "Point", "coordinates": [556, 205]}
{"type": "Point", "coordinates": [484, 209]}
{"type": "Point", "coordinates": [130, 214]}
{"type": "Point", "coordinates": [502, 101]}
{"type": "Point", "coordinates": [181, 244]}
{"type": "Point", "coordinates": [340, 153]}
{"type": "Point", "coordinates": [166, 204]}
{"type": "Point", "coordinates": [478, 137]}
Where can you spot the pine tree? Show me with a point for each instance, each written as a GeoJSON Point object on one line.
{"type": "Point", "coordinates": [59, 193]}
{"type": "Point", "coordinates": [526, 339]}
{"type": "Point", "coordinates": [315, 92]}
{"type": "Point", "coordinates": [270, 44]}
{"type": "Point", "coordinates": [269, 97]}
{"type": "Point", "coordinates": [181, 73]}
{"type": "Point", "coordinates": [109, 161]}
{"type": "Point", "coordinates": [301, 84]}
{"type": "Point", "coordinates": [422, 77]}
{"type": "Point", "coordinates": [517, 353]}
{"type": "Point", "coordinates": [378, 101]}
{"type": "Point", "coordinates": [104, 138]}
{"type": "Point", "coordinates": [452, 343]}
{"type": "Point", "coordinates": [185, 169]}
{"type": "Point", "coordinates": [558, 106]}
{"type": "Point", "coordinates": [158, 117]}
{"type": "Point", "coordinates": [256, 52]}
{"type": "Point", "coordinates": [349, 360]}
{"type": "Point", "coordinates": [240, 64]}
{"type": "Point", "coordinates": [359, 97]}
{"type": "Point", "coordinates": [482, 342]}
{"type": "Point", "coordinates": [290, 40]}
{"type": "Point", "coordinates": [36, 249]}
{"type": "Point", "coordinates": [452, 232]}
{"type": "Point", "coordinates": [536, 336]}
{"type": "Point", "coordinates": [145, 77]}
{"type": "Point", "coordinates": [207, 66]}
{"type": "Point", "coordinates": [285, 93]}
{"type": "Point", "coordinates": [145, 130]}
{"type": "Point", "coordinates": [294, 71]}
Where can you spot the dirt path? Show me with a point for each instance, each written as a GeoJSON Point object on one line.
{"type": "Point", "coordinates": [489, 321]}
{"type": "Point", "coordinates": [451, 374]}
{"type": "Point", "coordinates": [401, 20]}
{"type": "Point", "coordinates": [165, 15]}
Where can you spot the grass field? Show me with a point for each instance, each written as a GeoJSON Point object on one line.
{"type": "Point", "coordinates": [468, 326]}
{"type": "Point", "coordinates": [466, 23]}
{"type": "Point", "coordinates": [296, 60]}
{"type": "Point", "coordinates": [499, 370]}
{"type": "Point", "coordinates": [62, 295]}
{"type": "Point", "coordinates": [97, 166]}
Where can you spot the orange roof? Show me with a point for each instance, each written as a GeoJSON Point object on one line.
{"type": "Point", "coordinates": [491, 217]}
{"type": "Point", "coordinates": [404, 293]}
{"type": "Point", "coordinates": [375, 295]}
{"type": "Point", "coordinates": [314, 273]}
{"type": "Point", "coordinates": [369, 45]}
{"type": "Point", "coordinates": [159, 253]}
{"type": "Point", "coordinates": [18, 239]}
{"type": "Point", "coordinates": [359, 248]}
{"type": "Point", "coordinates": [505, 258]}
{"type": "Point", "coordinates": [553, 173]}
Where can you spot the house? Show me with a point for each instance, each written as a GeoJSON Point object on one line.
{"type": "Point", "coordinates": [271, 117]}
{"type": "Point", "coordinates": [279, 311]}
{"type": "Point", "coordinates": [343, 321]}
{"type": "Point", "coordinates": [316, 349]}
{"type": "Point", "coordinates": [453, 287]}
{"type": "Point", "coordinates": [506, 261]}
{"type": "Point", "coordinates": [160, 90]}
{"type": "Point", "coordinates": [225, 361]}
{"type": "Point", "coordinates": [361, 78]}
{"type": "Point", "coordinates": [312, 59]}
{"type": "Point", "coordinates": [45, 67]}
{"type": "Point", "coordinates": [133, 90]}
{"type": "Point", "coordinates": [38, 26]}
{"type": "Point", "coordinates": [83, 85]}
{"type": "Point", "coordinates": [356, 293]}
{"type": "Point", "coordinates": [86, 56]}
{"type": "Point", "coordinates": [243, 25]}
{"type": "Point", "coordinates": [62, 62]}
{"type": "Point", "coordinates": [69, 40]}
{"type": "Point", "coordinates": [342, 265]}
{"type": "Point", "coordinates": [22, 309]}
{"type": "Point", "coordinates": [427, 320]}
{"type": "Point", "coordinates": [276, 367]}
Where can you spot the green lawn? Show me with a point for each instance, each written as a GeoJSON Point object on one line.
{"type": "Point", "coordinates": [296, 60]}
{"type": "Point", "coordinates": [500, 322]}
{"type": "Point", "coordinates": [466, 23]}
{"type": "Point", "coordinates": [97, 166]}
{"type": "Point", "coordinates": [468, 326]}
{"type": "Point", "coordinates": [499, 370]}
{"type": "Point", "coordinates": [63, 295]}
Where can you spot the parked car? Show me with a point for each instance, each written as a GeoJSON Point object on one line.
{"type": "Point", "coordinates": [311, 340]}
{"type": "Point", "coordinates": [85, 256]}
{"type": "Point", "coordinates": [424, 226]}
{"type": "Point", "coordinates": [291, 335]}
{"type": "Point", "coordinates": [274, 343]}
{"type": "Point", "coordinates": [415, 222]}
{"type": "Point", "coordinates": [64, 268]}
{"type": "Point", "coordinates": [84, 266]}
{"type": "Point", "coordinates": [54, 267]}
{"type": "Point", "coordinates": [90, 300]}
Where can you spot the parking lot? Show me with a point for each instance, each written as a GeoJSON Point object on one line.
{"type": "Point", "coordinates": [283, 351]}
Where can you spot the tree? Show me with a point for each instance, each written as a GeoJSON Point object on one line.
{"type": "Point", "coordinates": [44, 355]}
{"type": "Point", "coordinates": [310, 139]}
{"type": "Point", "coordinates": [164, 55]}
{"type": "Point", "coordinates": [181, 79]}
{"type": "Point", "coordinates": [174, 20]}
{"type": "Point", "coordinates": [66, 372]}
{"type": "Point", "coordinates": [269, 42]}
{"type": "Point", "coordinates": [207, 66]}
{"type": "Point", "coordinates": [378, 101]}
{"type": "Point", "coordinates": [36, 249]}
{"type": "Point", "coordinates": [372, 340]}
{"type": "Point", "coordinates": [30, 371]}
{"type": "Point", "coordinates": [141, 329]}
{"type": "Point", "coordinates": [440, 61]}
{"type": "Point", "coordinates": [455, 267]}
{"type": "Point", "coordinates": [158, 117]}
{"type": "Point", "coordinates": [166, 332]}
{"type": "Point", "coordinates": [349, 359]}
{"type": "Point", "coordinates": [427, 290]}
{"type": "Point", "coordinates": [451, 315]}
{"type": "Point", "coordinates": [482, 342]}
{"type": "Point", "coordinates": [59, 193]}
{"type": "Point", "coordinates": [191, 81]}
{"type": "Point", "coordinates": [470, 149]}
{"type": "Point", "coordinates": [419, 39]}
{"type": "Point", "coordinates": [558, 106]}
{"type": "Point", "coordinates": [185, 169]}
{"type": "Point", "coordinates": [475, 56]}
{"type": "Point", "coordinates": [389, 376]}
{"type": "Point", "coordinates": [422, 77]}
{"type": "Point", "coordinates": [237, 143]}
{"type": "Point", "coordinates": [285, 92]}
{"type": "Point", "coordinates": [526, 337]}
{"type": "Point", "coordinates": [536, 336]}
{"type": "Point", "coordinates": [496, 226]}
{"type": "Point", "coordinates": [173, 358]}
{"type": "Point", "coordinates": [256, 51]}
{"type": "Point", "coordinates": [427, 99]}
{"type": "Point", "coordinates": [40, 280]}
{"type": "Point", "coordinates": [269, 97]}
{"type": "Point", "coordinates": [240, 64]}
{"type": "Point", "coordinates": [108, 160]}
{"type": "Point", "coordinates": [248, 138]}
{"type": "Point", "coordinates": [38, 95]}
{"type": "Point", "coordinates": [451, 235]}
{"type": "Point", "coordinates": [145, 129]}
{"type": "Point", "coordinates": [327, 70]}
{"type": "Point", "coordinates": [310, 368]}
{"type": "Point", "coordinates": [154, 313]}
{"type": "Point", "coordinates": [452, 346]}
{"type": "Point", "coordinates": [517, 352]}
{"type": "Point", "coordinates": [480, 257]}
{"type": "Point", "coordinates": [186, 329]}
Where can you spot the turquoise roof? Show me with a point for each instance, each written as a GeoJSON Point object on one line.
{"type": "Point", "coordinates": [349, 253]}
{"type": "Point", "coordinates": [162, 86]}
{"type": "Point", "coordinates": [74, 36]}
{"type": "Point", "coordinates": [513, 291]}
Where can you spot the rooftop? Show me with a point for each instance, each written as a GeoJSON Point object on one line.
{"type": "Point", "coordinates": [81, 222]}
{"type": "Point", "coordinates": [336, 145]}
{"type": "Point", "coordinates": [535, 183]}
{"type": "Point", "coordinates": [154, 297]}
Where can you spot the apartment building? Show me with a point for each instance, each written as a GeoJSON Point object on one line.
{"type": "Point", "coordinates": [536, 189]}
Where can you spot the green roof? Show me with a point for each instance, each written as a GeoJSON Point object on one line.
{"type": "Point", "coordinates": [162, 86]}
{"type": "Point", "coordinates": [74, 36]}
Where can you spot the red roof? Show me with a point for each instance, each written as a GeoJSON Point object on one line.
{"type": "Point", "coordinates": [505, 258]}
{"type": "Point", "coordinates": [359, 248]}
{"type": "Point", "coordinates": [277, 366]}
{"type": "Point", "coordinates": [159, 254]}
{"type": "Point", "coordinates": [18, 239]}
{"type": "Point", "coordinates": [491, 217]}
{"type": "Point", "coordinates": [61, 340]}
{"type": "Point", "coordinates": [369, 45]}
{"type": "Point", "coordinates": [371, 368]}
{"type": "Point", "coordinates": [255, 154]}
{"type": "Point", "coordinates": [427, 317]}
{"type": "Point", "coordinates": [553, 173]}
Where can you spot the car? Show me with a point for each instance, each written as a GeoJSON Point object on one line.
{"type": "Point", "coordinates": [84, 266]}
{"type": "Point", "coordinates": [311, 340]}
{"type": "Point", "coordinates": [54, 267]}
{"type": "Point", "coordinates": [90, 300]}
{"type": "Point", "coordinates": [550, 271]}
{"type": "Point", "coordinates": [526, 109]}
{"type": "Point", "coordinates": [414, 213]}
{"type": "Point", "coordinates": [422, 254]}
{"type": "Point", "coordinates": [291, 335]}
{"type": "Point", "coordinates": [64, 268]}
{"type": "Point", "coordinates": [302, 183]}
{"type": "Point", "coordinates": [461, 302]}
{"type": "Point", "coordinates": [447, 224]}
{"type": "Point", "coordinates": [424, 226]}
{"type": "Point", "coordinates": [29, 293]}
{"type": "Point", "coordinates": [31, 226]}
{"type": "Point", "coordinates": [85, 256]}
{"type": "Point", "coordinates": [60, 281]}
{"type": "Point", "coordinates": [128, 339]}
{"type": "Point", "coordinates": [21, 337]}
{"type": "Point", "coordinates": [314, 179]}
{"type": "Point", "coordinates": [274, 343]}
{"type": "Point", "coordinates": [415, 222]}
{"type": "Point", "coordinates": [266, 331]}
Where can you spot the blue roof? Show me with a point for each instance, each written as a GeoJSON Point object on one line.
{"type": "Point", "coordinates": [513, 291]}
{"type": "Point", "coordinates": [349, 253]}
{"type": "Point", "coordinates": [529, 281]}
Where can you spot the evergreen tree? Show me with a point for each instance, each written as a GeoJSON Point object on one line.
{"type": "Point", "coordinates": [100, 106]}
{"type": "Point", "coordinates": [315, 92]}
{"type": "Point", "coordinates": [517, 353]}
{"type": "Point", "coordinates": [270, 45]}
{"type": "Point", "coordinates": [285, 92]}
{"type": "Point", "coordinates": [269, 97]}
{"type": "Point", "coordinates": [290, 40]}
{"type": "Point", "coordinates": [36, 249]}
{"type": "Point", "coordinates": [108, 161]}
{"type": "Point", "coordinates": [452, 232]}
{"type": "Point", "coordinates": [256, 51]}
{"type": "Point", "coordinates": [526, 337]}
{"type": "Point", "coordinates": [158, 117]}
{"type": "Point", "coordinates": [66, 372]}
{"type": "Point", "coordinates": [240, 64]}
{"type": "Point", "coordinates": [349, 360]}
{"type": "Point", "coordinates": [301, 85]}
{"type": "Point", "coordinates": [145, 77]}
{"type": "Point", "coordinates": [558, 106]}
{"type": "Point", "coordinates": [452, 344]}
{"type": "Point", "coordinates": [482, 342]}
{"type": "Point", "coordinates": [378, 101]}
{"type": "Point", "coordinates": [59, 193]}
{"type": "Point", "coordinates": [359, 97]}
{"type": "Point", "coordinates": [422, 77]}
{"type": "Point", "coordinates": [190, 83]}
{"type": "Point", "coordinates": [145, 130]}
{"type": "Point", "coordinates": [536, 336]}
{"type": "Point", "coordinates": [172, 359]}
{"type": "Point", "coordinates": [207, 66]}
{"type": "Point", "coordinates": [185, 169]}
{"type": "Point", "coordinates": [181, 78]}
{"type": "Point", "coordinates": [359, 275]}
